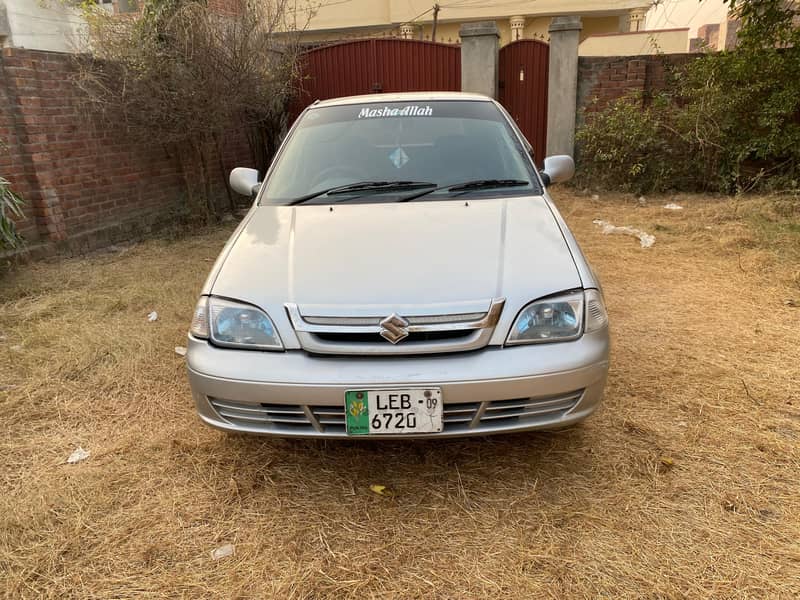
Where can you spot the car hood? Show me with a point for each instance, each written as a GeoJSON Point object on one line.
{"type": "Point", "coordinates": [417, 257]}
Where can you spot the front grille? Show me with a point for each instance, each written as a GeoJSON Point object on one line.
{"type": "Point", "coordinates": [375, 338]}
{"type": "Point", "coordinates": [359, 334]}
{"type": "Point", "coordinates": [459, 417]}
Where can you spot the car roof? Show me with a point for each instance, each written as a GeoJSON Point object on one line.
{"type": "Point", "coordinates": [404, 97]}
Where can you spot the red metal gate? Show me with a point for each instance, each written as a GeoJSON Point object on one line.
{"type": "Point", "coordinates": [523, 89]}
{"type": "Point", "coordinates": [379, 65]}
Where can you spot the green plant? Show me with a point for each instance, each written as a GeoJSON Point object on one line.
{"type": "Point", "coordinates": [10, 211]}
{"type": "Point", "coordinates": [742, 108]}
{"type": "Point", "coordinates": [730, 121]}
{"type": "Point", "coordinates": [634, 148]}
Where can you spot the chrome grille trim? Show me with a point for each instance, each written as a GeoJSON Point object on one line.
{"type": "Point", "coordinates": [375, 321]}
{"type": "Point", "coordinates": [310, 331]}
{"type": "Point", "coordinates": [330, 420]}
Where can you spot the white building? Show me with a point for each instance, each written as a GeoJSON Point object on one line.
{"type": "Point", "coordinates": [42, 25]}
{"type": "Point", "coordinates": [680, 13]}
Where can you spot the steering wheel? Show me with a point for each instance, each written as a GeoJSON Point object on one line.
{"type": "Point", "coordinates": [347, 174]}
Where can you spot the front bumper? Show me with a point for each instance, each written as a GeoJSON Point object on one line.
{"type": "Point", "coordinates": [494, 390]}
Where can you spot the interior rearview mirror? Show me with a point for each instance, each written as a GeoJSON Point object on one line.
{"type": "Point", "coordinates": [244, 181]}
{"type": "Point", "coordinates": [558, 169]}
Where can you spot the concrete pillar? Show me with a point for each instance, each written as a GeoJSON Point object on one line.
{"type": "Point", "coordinates": [480, 47]}
{"type": "Point", "coordinates": [562, 96]}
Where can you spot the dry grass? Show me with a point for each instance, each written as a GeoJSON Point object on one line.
{"type": "Point", "coordinates": [686, 483]}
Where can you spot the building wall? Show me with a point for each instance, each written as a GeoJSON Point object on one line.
{"type": "Point", "coordinates": [85, 183]}
{"type": "Point", "coordinates": [372, 13]}
{"type": "Point", "coordinates": [666, 41]}
{"type": "Point", "coordinates": [43, 25]}
{"type": "Point", "coordinates": [680, 13]}
{"type": "Point", "coordinates": [597, 25]}
{"type": "Point", "coordinates": [367, 18]}
{"type": "Point", "coordinates": [448, 32]}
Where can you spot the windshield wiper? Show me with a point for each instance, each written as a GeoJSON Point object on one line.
{"type": "Point", "coordinates": [468, 186]}
{"type": "Point", "coordinates": [480, 184]}
{"type": "Point", "coordinates": [364, 186]}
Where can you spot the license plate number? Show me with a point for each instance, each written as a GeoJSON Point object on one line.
{"type": "Point", "coordinates": [377, 412]}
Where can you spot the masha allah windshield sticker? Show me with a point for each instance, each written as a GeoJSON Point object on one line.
{"type": "Point", "coordinates": [388, 111]}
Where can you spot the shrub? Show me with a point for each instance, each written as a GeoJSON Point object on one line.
{"type": "Point", "coordinates": [634, 148]}
{"type": "Point", "coordinates": [731, 123]}
{"type": "Point", "coordinates": [10, 209]}
{"type": "Point", "coordinates": [185, 76]}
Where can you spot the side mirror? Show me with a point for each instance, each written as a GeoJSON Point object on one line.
{"type": "Point", "coordinates": [558, 169]}
{"type": "Point", "coordinates": [244, 181]}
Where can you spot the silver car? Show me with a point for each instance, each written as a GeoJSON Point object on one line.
{"type": "Point", "coordinates": [402, 272]}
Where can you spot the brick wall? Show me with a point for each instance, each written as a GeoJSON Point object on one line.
{"type": "Point", "coordinates": [225, 7]}
{"type": "Point", "coordinates": [85, 184]}
{"type": "Point", "coordinates": [603, 79]}
{"type": "Point", "coordinates": [14, 163]}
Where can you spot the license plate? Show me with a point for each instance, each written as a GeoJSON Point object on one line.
{"type": "Point", "coordinates": [377, 412]}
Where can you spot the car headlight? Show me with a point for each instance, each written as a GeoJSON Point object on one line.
{"type": "Point", "coordinates": [234, 325]}
{"type": "Point", "coordinates": [555, 319]}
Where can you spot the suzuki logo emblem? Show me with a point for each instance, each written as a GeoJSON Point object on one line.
{"type": "Point", "coordinates": [394, 328]}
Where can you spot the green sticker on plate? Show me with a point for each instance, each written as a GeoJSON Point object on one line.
{"type": "Point", "coordinates": [357, 413]}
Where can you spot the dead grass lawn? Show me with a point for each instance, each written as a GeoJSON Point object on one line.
{"type": "Point", "coordinates": [686, 483]}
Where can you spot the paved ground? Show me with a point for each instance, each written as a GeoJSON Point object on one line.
{"type": "Point", "coordinates": [686, 483]}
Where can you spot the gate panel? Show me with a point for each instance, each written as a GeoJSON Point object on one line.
{"type": "Point", "coordinates": [417, 66]}
{"type": "Point", "coordinates": [339, 70]}
{"type": "Point", "coordinates": [378, 65]}
{"type": "Point", "coordinates": [523, 90]}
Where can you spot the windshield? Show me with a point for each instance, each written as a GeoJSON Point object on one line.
{"type": "Point", "coordinates": [384, 152]}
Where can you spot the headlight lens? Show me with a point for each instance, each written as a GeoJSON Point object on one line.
{"type": "Point", "coordinates": [234, 325]}
{"type": "Point", "coordinates": [555, 319]}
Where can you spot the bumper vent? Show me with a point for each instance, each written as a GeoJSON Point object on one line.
{"type": "Point", "coordinates": [491, 415]}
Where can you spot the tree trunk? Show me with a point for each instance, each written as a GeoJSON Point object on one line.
{"type": "Point", "coordinates": [210, 205]}
{"type": "Point", "coordinates": [224, 175]}
{"type": "Point", "coordinates": [190, 202]}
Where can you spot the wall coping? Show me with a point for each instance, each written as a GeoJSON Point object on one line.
{"type": "Point", "coordinates": [565, 24]}
{"type": "Point", "coordinates": [643, 31]}
{"type": "Point", "coordinates": [620, 57]}
{"type": "Point", "coordinates": [479, 29]}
